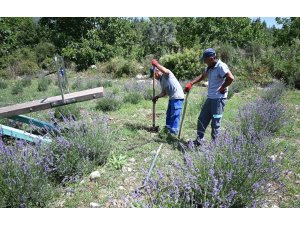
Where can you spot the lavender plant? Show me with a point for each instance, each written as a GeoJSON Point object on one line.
{"type": "Point", "coordinates": [273, 92]}
{"type": "Point", "coordinates": [145, 88]}
{"type": "Point", "coordinates": [133, 97]}
{"type": "Point", "coordinates": [23, 175]}
{"type": "Point", "coordinates": [110, 102]}
{"type": "Point", "coordinates": [231, 172]}
{"type": "Point", "coordinates": [262, 117]}
{"type": "Point", "coordinates": [82, 146]}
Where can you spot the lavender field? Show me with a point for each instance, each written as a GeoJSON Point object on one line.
{"type": "Point", "coordinates": [102, 153]}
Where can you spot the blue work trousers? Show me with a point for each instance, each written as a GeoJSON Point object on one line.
{"type": "Point", "coordinates": [173, 115]}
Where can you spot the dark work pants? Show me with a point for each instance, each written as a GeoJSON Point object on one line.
{"type": "Point", "coordinates": [211, 111]}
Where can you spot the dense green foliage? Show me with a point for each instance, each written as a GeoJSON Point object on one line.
{"type": "Point", "coordinates": [253, 50]}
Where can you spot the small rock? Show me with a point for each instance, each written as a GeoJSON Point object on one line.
{"type": "Point", "coordinates": [121, 188]}
{"type": "Point", "coordinates": [129, 169]}
{"type": "Point", "coordinates": [82, 182]}
{"type": "Point", "coordinates": [94, 175]}
{"type": "Point", "coordinates": [93, 67]}
{"type": "Point", "coordinates": [69, 192]}
{"type": "Point", "coordinates": [94, 205]}
{"type": "Point", "coordinates": [132, 160]}
{"type": "Point", "coordinates": [139, 76]}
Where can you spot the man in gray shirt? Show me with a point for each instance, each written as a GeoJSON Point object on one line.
{"type": "Point", "coordinates": [219, 78]}
{"type": "Point", "coordinates": [171, 87]}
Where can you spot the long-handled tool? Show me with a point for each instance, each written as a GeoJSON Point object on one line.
{"type": "Point", "coordinates": [152, 165]}
{"type": "Point", "coordinates": [153, 128]}
{"type": "Point", "coordinates": [183, 114]}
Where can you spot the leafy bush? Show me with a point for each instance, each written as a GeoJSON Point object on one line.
{"type": "Point", "coordinates": [133, 97]}
{"type": "Point", "coordinates": [43, 84]}
{"type": "Point", "coordinates": [92, 83]}
{"type": "Point", "coordinates": [27, 67]}
{"type": "Point", "coordinates": [184, 65]}
{"type": "Point", "coordinates": [284, 63]}
{"type": "Point", "coordinates": [78, 84]}
{"type": "Point", "coordinates": [3, 84]}
{"type": "Point", "coordinates": [17, 88]}
{"type": "Point", "coordinates": [105, 83]}
{"type": "Point", "coordinates": [26, 81]}
{"type": "Point", "coordinates": [45, 52]}
{"type": "Point", "coordinates": [23, 176]}
{"type": "Point", "coordinates": [109, 103]}
{"type": "Point", "coordinates": [121, 67]}
{"type": "Point", "coordinates": [4, 74]}
{"type": "Point", "coordinates": [68, 112]}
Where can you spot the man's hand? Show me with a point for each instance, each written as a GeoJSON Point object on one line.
{"type": "Point", "coordinates": [188, 87]}
{"type": "Point", "coordinates": [222, 90]}
{"type": "Point", "coordinates": [154, 62]}
{"type": "Point", "coordinates": [155, 98]}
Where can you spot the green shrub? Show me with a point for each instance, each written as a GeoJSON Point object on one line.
{"type": "Point", "coordinates": [71, 111]}
{"type": "Point", "coordinates": [3, 84]}
{"type": "Point", "coordinates": [78, 84]}
{"type": "Point", "coordinates": [184, 65]}
{"type": "Point", "coordinates": [45, 52]}
{"type": "Point", "coordinates": [92, 83]}
{"type": "Point", "coordinates": [108, 103]}
{"type": "Point", "coordinates": [133, 98]}
{"type": "Point", "coordinates": [43, 84]}
{"type": "Point", "coordinates": [120, 67]}
{"type": "Point", "coordinates": [26, 81]}
{"type": "Point", "coordinates": [27, 67]}
{"type": "Point", "coordinates": [17, 88]}
{"type": "Point", "coordinates": [4, 74]}
{"type": "Point", "coordinates": [48, 64]}
{"type": "Point", "coordinates": [284, 63]}
{"type": "Point", "coordinates": [106, 83]}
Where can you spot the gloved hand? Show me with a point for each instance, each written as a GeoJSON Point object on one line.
{"type": "Point", "coordinates": [155, 98]}
{"type": "Point", "coordinates": [188, 87]}
{"type": "Point", "coordinates": [154, 62]}
{"type": "Point", "coordinates": [222, 90]}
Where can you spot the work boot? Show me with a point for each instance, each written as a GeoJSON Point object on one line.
{"type": "Point", "coordinates": [194, 144]}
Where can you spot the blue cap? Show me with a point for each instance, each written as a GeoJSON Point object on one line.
{"type": "Point", "coordinates": [208, 53]}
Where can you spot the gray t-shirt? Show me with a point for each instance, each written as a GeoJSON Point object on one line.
{"type": "Point", "coordinates": [171, 86]}
{"type": "Point", "coordinates": [216, 77]}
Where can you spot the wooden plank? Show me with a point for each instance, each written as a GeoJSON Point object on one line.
{"type": "Point", "coordinates": [20, 134]}
{"type": "Point", "coordinates": [50, 102]}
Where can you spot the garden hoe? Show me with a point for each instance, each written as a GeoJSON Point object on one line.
{"type": "Point", "coordinates": [153, 128]}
